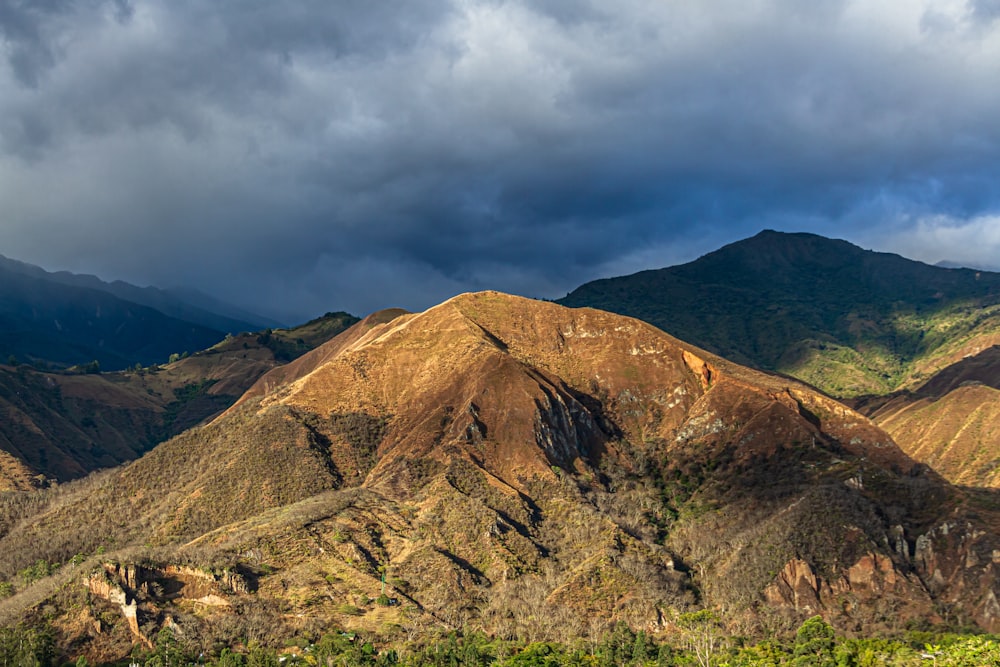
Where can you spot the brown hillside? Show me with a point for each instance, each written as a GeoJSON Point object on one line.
{"type": "Point", "coordinates": [315, 358]}
{"type": "Point", "coordinates": [518, 467]}
{"type": "Point", "coordinates": [14, 475]}
{"type": "Point", "coordinates": [952, 421]}
{"type": "Point", "coordinates": [63, 426]}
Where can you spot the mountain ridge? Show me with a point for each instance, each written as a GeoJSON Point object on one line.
{"type": "Point", "coordinates": [48, 322]}
{"type": "Point", "coordinates": [189, 306]}
{"type": "Point", "coordinates": [60, 426]}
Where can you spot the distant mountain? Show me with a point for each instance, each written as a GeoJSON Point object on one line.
{"type": "Point", "coordinates": [847, 320]}
{"type": "Point", "coordinates": [234, 314]}
{"type": "Point", "coordinates": [48, 322]}
{"type": "Point", "coordinates": [60, 426]}
{"type": "Point", "coordinates": [506, 465]}
{"type": "Point", "coordinates": [948, 264]}
{"type": "Point", "coordinates": [187, 305]}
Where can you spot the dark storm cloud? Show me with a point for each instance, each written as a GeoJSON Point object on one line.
{"type": "Point", "coordinates": [308, 156]}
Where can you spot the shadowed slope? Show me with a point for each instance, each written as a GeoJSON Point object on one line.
{"type": "Point", "coordinates": [48, 322]}
{"type": "Point", "coordinates": [63, 426]}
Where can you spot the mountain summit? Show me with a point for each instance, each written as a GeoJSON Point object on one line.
{"type": "Point", "coordinates": [514, 466]}
{"type": "Point", "coordinates": [847, 320]}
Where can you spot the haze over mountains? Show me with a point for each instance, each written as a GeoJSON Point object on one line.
{"type": "Point", "coordinates": [66, 319]}
{"type": "Point", "coordinates": [183, 366]}
{"type": "Point", "coordinates": [526, 469]}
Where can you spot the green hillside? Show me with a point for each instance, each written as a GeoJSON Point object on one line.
{"type": "Point", "coordinates": [847, 320]}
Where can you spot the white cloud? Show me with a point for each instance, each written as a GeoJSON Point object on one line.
{"type": "Point", "coordinates": [974, 243]}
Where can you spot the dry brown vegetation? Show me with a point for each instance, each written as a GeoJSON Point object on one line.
{"type": "Point", "coordinates": [62, 425]}
{"type": "Point", "coordinates": [950, 422]}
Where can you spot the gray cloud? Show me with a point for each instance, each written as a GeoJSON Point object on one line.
{"type": "Point", "coordinates": [307, 156]}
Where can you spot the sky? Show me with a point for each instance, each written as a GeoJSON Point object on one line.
{"type": "Point", "coordinates": [305, 156]}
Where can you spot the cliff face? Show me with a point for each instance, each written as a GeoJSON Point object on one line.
{"type": "Point", "coordinates": [524, 468]}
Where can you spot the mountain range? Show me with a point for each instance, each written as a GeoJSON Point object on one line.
{"type": "Point", "coordinates": [513, 466]}
{"type": "Point", "coordinates": [59, 426]}
{"type": "Point", "coordinates": [63, 319]}
{"type": "Point", "coordinates": [912, 346]}
{"type": "Point", "coordinates": [527, 469]}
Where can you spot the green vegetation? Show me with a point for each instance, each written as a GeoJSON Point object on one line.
{"type": "Point", "coordinates": [23, 646]}
{"type": "Point", "coordinates": [846, 320]}
{"type": "Point", "coordinates": [813, 645]}
{"type": "Point", "coordinates": [287, 344]}
{"type": "Point", "coordinates": [192, 403]}
{"type": "Point", "coordinates": [39, 570]}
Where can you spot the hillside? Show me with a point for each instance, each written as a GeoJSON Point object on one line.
{"type": "Point", "coordinates": [846, 320]}
{"type": "Point", "coordinates": [510, 466]}
{"type": "Point", "coordinates": [951, 422]}
{"type": "Point", "coordinates": [188, 306]}
{"type": "Point", "coordinates": [61, 426]}
{"type": "Point", "coordinates": [48, 323]}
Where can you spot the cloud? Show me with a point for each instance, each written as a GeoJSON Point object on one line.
{"type": "Point", "coordinates": [973, 243]}
{"type": "Point", "coordinates": [301, 157]}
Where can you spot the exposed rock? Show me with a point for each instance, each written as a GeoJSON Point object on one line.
{"type": "Point", "coordinates": [796, 586]}
{"type": "Point", "coordinates": [127, 585]}
{"type": "Point", "coordinates": [955, 560]}
{"type": "Point", "coordinates": [103, 584]}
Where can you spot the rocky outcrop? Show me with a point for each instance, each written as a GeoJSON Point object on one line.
{"type": "Point", "coordinates": [873, 577]}
{"type": "Point", "coordinates": [959, 563]}
{"type": "Point", "coordinates": [140, 590]}
{"type": "Point", "coordinates": [105, 585]}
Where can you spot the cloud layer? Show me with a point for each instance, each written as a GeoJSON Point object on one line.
{"type": "Point", "coordinates": [308, 156]}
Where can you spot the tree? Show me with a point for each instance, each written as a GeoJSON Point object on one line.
{"type": "Point", "coordinates": [26, 647]}
{"type": "Point", "coordinates": [702, 634]}
{"type": "Point", "coordinates": [814, 643]}
{"type": "Point", "coordinates": [167, 652]}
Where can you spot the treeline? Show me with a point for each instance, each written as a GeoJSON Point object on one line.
{"type": "Point", "coordinates": [698, 642]}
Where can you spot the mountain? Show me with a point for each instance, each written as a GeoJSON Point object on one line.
{"type": "Point", "coordinates": [61, 426]}
{"type": "Point", "coordinates": [187, 305]}
{"type": "Point", "coordinates": [951, 422]}
{"type": "Point", "coordinates": [505, 465]}
{"type": "Point", "coordinates": [846, 320]}
{"type": "Point", "coordinates": [50, 323]}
